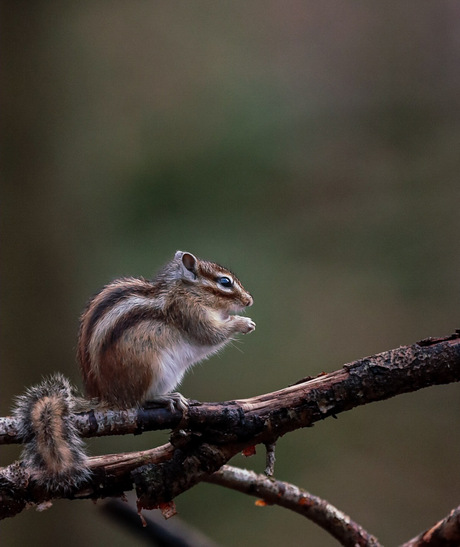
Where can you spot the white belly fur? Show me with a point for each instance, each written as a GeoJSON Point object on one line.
{"type": "Point", "coordinates": [174, 362]}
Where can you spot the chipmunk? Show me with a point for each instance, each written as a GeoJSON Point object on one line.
{"type": "Point", "coordinates": [136, 341]}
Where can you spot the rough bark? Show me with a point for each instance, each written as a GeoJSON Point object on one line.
{"type": "Point", "coordinates": [209, 434]}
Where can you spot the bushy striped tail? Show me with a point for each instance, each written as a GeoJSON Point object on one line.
{"type": "Point", "coordinates": [53, 451]}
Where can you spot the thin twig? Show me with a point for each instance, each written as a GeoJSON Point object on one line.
{"type": "Point", "coordinates": [270, 459]}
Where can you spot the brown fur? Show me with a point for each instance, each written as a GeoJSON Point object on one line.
{"type": "Point", "coordinates": [131, 362]}
{"type": "Point", "coordinates": [137, 338]}
{"type": "Point", "coordinates": [128, 326]}
{"type": "Point", "coordinates": [102, 302]}
{"type": "Point", "coordinates": [53, 451]}
{"type": "Point", "coordinates": [47, 419]}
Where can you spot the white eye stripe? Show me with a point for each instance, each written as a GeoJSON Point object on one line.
{"type": "Point", "coordinates": [225, 289]}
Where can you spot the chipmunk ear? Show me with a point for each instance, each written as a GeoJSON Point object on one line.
{"type": "Point", "coordinates": [188, 264]}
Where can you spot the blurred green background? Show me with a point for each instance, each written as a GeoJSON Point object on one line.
{"type": "Point", "coordinates": [312, 147]}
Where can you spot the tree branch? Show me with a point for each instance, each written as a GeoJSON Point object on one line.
{"type": "Point", "coordinates": [155, 530]}
{"type": "Point", "coordinates": [432, 361]}
{"type": "Point", "coordinates": [275, 492]}
{"type": "Point", "coordinates": [209, 434]}
{"type": "Point", "coordinates": [445, 533]}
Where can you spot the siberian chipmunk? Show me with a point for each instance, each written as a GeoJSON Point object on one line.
{"type": "Point", "coordinates": [137, 339]}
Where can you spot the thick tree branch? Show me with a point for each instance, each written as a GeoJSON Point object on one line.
{"type": "Point", "coordinates": [209, 434]}
{"type": "Point", "coordinates": [430, 362]}
{"type": "Point", "coordinates": [275, 492]}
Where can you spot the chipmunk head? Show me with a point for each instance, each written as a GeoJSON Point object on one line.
{"type": "Point", "coordinates": [221, 287]}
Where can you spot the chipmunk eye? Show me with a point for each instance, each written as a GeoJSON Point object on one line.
{"type": "Point", "coordinates": [225, 281]}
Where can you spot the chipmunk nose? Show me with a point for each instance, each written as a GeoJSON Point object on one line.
{"type": "Point", "coordinates": [249, 301]}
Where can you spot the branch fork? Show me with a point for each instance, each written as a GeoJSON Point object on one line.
{"type": "Point", "coordinates": [208, 435]}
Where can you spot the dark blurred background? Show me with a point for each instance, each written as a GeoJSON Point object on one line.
{"type": "Point", "coordinates": [312, 147]}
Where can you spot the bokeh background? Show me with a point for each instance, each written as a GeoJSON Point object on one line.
{"type": "Point", "coordinates": [312, 147]}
